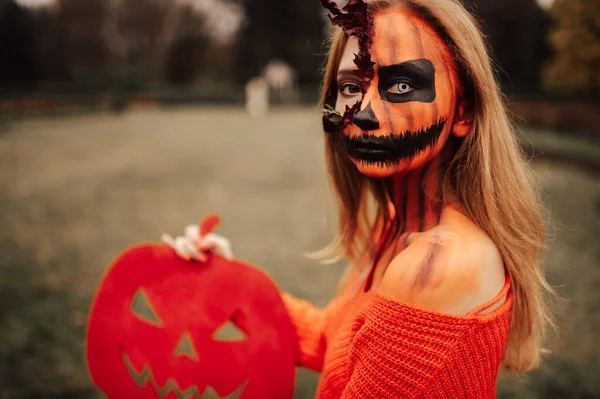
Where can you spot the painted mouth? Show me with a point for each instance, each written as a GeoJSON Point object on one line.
{"type": "Point", "coordinates": [366, 150]}
{"type": "Point", "coordinates": [145, 377]}
{"type": "Point", "coordinates": [393, 148]}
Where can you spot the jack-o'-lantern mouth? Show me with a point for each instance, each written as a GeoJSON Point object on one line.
{"type": "Point", "coordinates": [145, 377]}
{"type": "Point", "coordinates": [392, 148]}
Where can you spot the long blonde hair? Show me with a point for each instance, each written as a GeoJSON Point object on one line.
{"type": "Point", "coordinates": [488, 177]}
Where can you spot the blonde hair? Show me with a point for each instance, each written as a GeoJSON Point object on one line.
{"type": "Point", "coordinates": [488, 177]}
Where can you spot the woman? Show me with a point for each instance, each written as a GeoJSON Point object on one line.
{"type": "Point", "coordinates": [445, 286]}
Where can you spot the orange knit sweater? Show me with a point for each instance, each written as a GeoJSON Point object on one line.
{"type": "Point", "coordinates": [370, 346]}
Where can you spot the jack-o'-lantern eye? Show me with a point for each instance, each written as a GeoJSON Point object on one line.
{"type": "Point", "coordinates": [230, 331]}
{"type": "Point", "coordinates": [141, 307]}
{"type": "Point", "coordinates": [400, 88]}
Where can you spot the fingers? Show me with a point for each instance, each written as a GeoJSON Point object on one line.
{"type": "Point", "coordinates": [184, 245]}
{"type": "Point", "coordinates": [167, 239]}
{"type": "Point", "coordinates": [192, 232]}
{"type": "Point", "coordinates": [218, 244]}
{"type": "Point", "coordinates": [184, 248]}
{"type": "Point", "coordinates": [192, 246]}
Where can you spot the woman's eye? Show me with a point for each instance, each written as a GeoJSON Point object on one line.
{"type": "Point", "coordinates": [400, 88]}
{"type": "Point", "coordinates": [349, 89]}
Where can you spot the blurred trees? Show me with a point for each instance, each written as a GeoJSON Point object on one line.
{"type": "Point", "coordinates": [576, 41]}
{"type": "Point", "coordinates": [19, 65]}
{"type": "Point", "coordinates": [163, 39]}
{"type": "Point", "coordinates": [73, 45]}
{"type": "Point", "coordinates": [281, 29]}
{"type": "Point", "coordinates": [92, 45]}
{"type": "Point", "coordinates": [516, 30]}
{"type": "Point", "coordinates": [101, 44]}
{"type": "Point", "coordinates": [186, 45]}
{"type": "Point", "coordinates": [135, 33]}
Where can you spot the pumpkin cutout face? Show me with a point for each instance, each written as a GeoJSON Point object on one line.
{"type": "Point", "coordinates": [161, 327]}
{"type": "Point", "coordinates": [408, 110]}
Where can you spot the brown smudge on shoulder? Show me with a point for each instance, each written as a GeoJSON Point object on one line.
{"type": "Point", "coordinates": [427, 266]}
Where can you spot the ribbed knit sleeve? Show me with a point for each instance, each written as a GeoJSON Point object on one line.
{"type": "Point", "coordinates": [399, 351]}
{"type": "Point", "coordinates": [310, 323]}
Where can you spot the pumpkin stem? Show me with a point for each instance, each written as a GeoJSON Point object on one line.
{"type": "Point", "coordinates": [207, 224]}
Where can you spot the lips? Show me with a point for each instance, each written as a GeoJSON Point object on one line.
{"type": "Point", "coordinates": [392, 148]}
{"type": "Point", "coordinates": [145, 377]}
{"type": "Point", "coordinates": [371, 150]}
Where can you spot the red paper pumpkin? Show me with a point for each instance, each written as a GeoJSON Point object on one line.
{"type": "Point", "coordinates": [161, 327]}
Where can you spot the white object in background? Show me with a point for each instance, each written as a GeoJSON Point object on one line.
{"type": "Point", "coordinates": [36, 3]}
{"type": "Point", "coordinates": [280, 77]}
{"type": "Point", "coordinates": [257, 97]}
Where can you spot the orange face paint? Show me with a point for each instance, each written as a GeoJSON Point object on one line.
{"type": "Point", "coordinates": [407, 111]}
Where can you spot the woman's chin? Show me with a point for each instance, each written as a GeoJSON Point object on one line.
{"type": "Point", "coordinates": [378, 170]}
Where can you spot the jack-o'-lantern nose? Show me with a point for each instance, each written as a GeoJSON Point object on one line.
{"type": "Point", "coordinates": [366, 119]}
{"type": "Point", "coordinates": [186, 348]}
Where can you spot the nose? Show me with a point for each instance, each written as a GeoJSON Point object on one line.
{"type": "Point", "coordinates": [366, 119]}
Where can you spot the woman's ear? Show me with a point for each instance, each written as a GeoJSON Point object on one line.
{"type": "Point", "coordinates": [463, 122]}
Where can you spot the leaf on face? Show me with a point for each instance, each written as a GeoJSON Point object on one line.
{"type": "Point", "coordinates": [355, 20]}
{"type": "Point", "coordinates": [332, 120]}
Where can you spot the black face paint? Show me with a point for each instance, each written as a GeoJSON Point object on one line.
{"type": "Point", "coordinates": [366, 119]}
{"type": "Point", "coordinates": [419, 75]}
{"type": "Point", "coordinates": [390, 149]}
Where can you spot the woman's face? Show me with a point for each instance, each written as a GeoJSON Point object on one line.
{"type": "Point", "coordinates": [408, 111]}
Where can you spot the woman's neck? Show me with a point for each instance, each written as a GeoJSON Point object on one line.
{"type": "Point", "coordinates": [417, 195]}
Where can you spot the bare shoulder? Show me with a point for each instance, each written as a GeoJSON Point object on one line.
{"type": "Point", "coordinates": [453, 268]}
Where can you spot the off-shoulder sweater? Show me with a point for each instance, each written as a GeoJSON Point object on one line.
{"type": "Point", "coordinates": [369, 346]}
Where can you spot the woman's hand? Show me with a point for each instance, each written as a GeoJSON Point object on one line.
{"type": "Point", "coordinates": [197, 239]}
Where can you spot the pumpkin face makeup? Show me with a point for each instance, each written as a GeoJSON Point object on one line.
{"type": "Point", "coordinates": [408, 110]}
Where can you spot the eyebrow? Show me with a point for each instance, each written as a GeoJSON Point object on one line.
{"type": "Point", "coordinates": [347, 73]}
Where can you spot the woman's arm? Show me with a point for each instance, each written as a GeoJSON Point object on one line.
{"type": "Point", "coordinates": [309, 323]}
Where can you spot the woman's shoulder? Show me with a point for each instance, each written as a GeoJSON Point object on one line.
{"type": "Point", "coordinates": [452, 268]}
